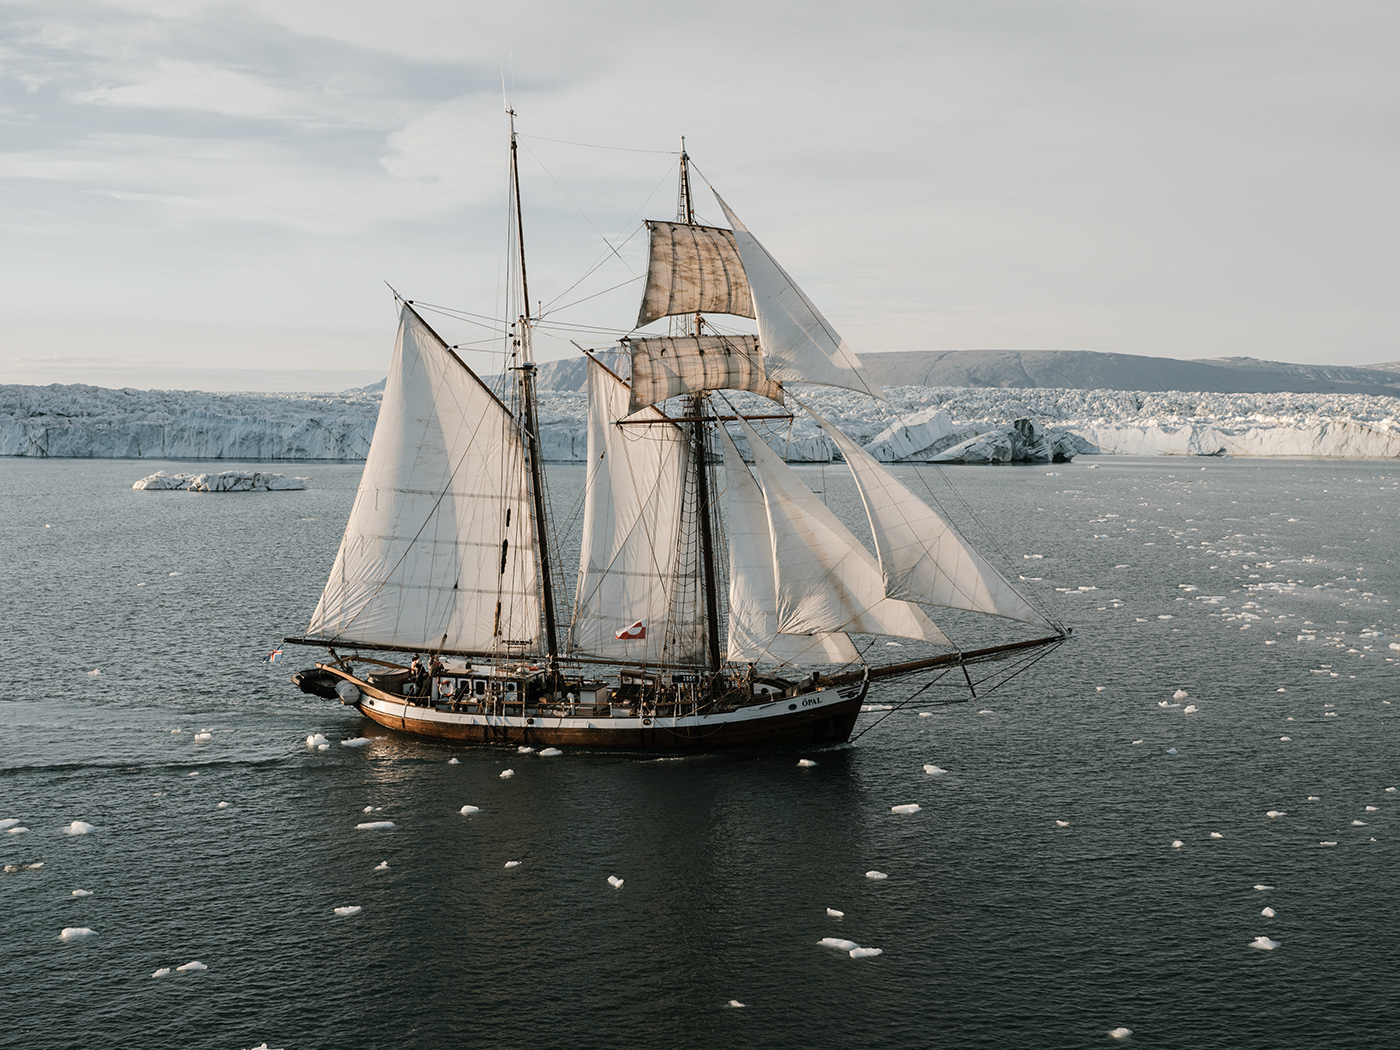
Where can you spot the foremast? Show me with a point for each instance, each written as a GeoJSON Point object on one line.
{"type": "Point", "coordinates": [525, 366]}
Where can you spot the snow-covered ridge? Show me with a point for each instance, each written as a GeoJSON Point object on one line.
{"type": "Point", "coordinates": [917, 423]}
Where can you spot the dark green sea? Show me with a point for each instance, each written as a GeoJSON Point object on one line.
{"type": "Point", "coordinates": [1037, 898]}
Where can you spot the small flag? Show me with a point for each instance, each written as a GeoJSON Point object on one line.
{"type": "Point", "coordinates": [637, 630]}
{"type": "Point", "coordinates": [272, 657]}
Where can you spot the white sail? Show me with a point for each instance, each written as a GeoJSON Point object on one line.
{"type": "Point", "coordinates": [827, 581]}
{"type": "Point", "coordinates": [669, 366]}
{"type": "Point", "coordinates": [693, 269]}
{"type": "Point", "coordinates": [633, 568]}
{"type": "Point", "coordinates": [799, 344]}
{"type": "Point", "coordinates": [753, 584]}
{"type": "Point", "coordinates": [922, 557]}
{"type": "Point", "coordinates": [439, 551]}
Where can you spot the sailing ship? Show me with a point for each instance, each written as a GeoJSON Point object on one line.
{"type": "Point", "coordinates": [450, 552]}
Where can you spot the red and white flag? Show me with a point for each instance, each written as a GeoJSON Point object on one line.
{"type": "Point", "coordinates": [636, 630]}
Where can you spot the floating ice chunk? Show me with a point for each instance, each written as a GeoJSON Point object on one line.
{"type": "Point", "coordinates": [525, 749]}
{"type": "Point", "coordinates": [468, 810]}
{"type": "Point", "coordinates": [1216, 835]}
{"type": "Point", "coordinates": [839, 943]}
{"type": "Point", "coordinates": [1391, 790]}
{"type": "Point", "coordinates": [1314, 798]}
{"type": "Point", "coordinates": [1100, 688]}
{"type": "Point", "coordinates": [323, 747]}
{"type": "Point", "coordinates": [1285, 739]}
{"type": "Point", "coordinates": [925, 714]}
{"type": "Point", "coordinates": [454, 762]}
{"type": "Point", "coordinates": [876, 875]}
{"type": "Point", "coordinates": [615, 882]}
{"type": "Point", "coordinates": [1177, 844]}
{"type": "Point", "coordinates": [986, 711]}
{"type": "Point", "coordinates": [1136, 743]}
{"type": "Point", "coordinates": [82, 893]}
{"type": "Point", "coordinates": [192, 967]}
{"type": "Point", "coordinates": [76, 933]}
{"type": "Point", "coordinates": [1273, 813]}
{"type": "Point", "coordinates": [835, 914]}
{"type": "Point", "coordinates": [1268, 913]}
{"type": "Point", "coordinates": [17, 830]}
{"type": "Point", "coordinates": [95, 672]}
{"type": "Point", "coordinates": [164, 971]}
{"type": "Point", "coordinates": [550, 752]}
{"type": "Point", "coordinates": [375, 825]}
{"type": "Point", "coordinates": [8, 822]}
{"type": "Point", "coordinates": [383, 865]}
{"type": "Point", "coordinates": [1166, 616]}
{"type": "Point", "coordinates": [908, 807]}
{"type": "Point", "coordinates": [506, 774]}
{"type": "Point", "coordinates": [79, 827]}
{"type": "Point", "coordinates": [1061, 823]}
{"type": "Point", "coordinates": [1280, 689]}
{"type": "Point", "coordinates": [935, 771]}
{"type": "Point", "coordinates": [1189, 709]}
{"type": "Point", "coordinates": [865, 953]}
{"type": "Point", "coordinates": [1372, 809]}
{"type": "Point", "coordinates": [34, 867]}
{"type": "Point", "coordinates": [1180, 694]}
{"type": "Point", "coordinates": [173, 731]}
{"type": "Point", "coordinates": [1166, 704]}
{"type": "Point", "coordinates": [223, 805]}
{"type": "Point", "coordinates": [1327, 842]}
{"type": "Point", "coordinates": [1118, 1033]}
{"type": "Point", "coordinates": [203, 738]}
{"type": "Point", "coordinates": [1171, 751]}
{"type": "Point", "coordinates": [805, 763]}
{"type": "Point", "coordinates": [349, 909]}
{"type": "Point", "coordinates": [1261, 886]}
{"type": "Point", "coordinates": [1264, 944]}
{"type": "Point", "coordinates": [355, 741]}
{"type": "Point", "coordinates": [1358, 823]}
{"type": "Point", "coordinates": [735, 1004]}
{"type": "Point", "coordinates": [512, 864]}
{"type": "Point", "coordinates": [316, 740]}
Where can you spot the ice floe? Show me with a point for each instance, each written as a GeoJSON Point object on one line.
{"type": "Point", "coordinates": [223, 481]}
{"type": "Point", "coordinates": [1061, 823]}
{"type": "Point", "coordinates": [1120, 1032]}
{"type": "Point", "coordinates": [1189, 709]}
{"type": "Point", "coordinates": [1261, 886]}
{"type": "Point", "coordinates": [223, 805]}
{"type": "Point", "coordinates": [839, 943]}
{"type": "Point", "coordinates": [908, 807]}
{"type": "Point", "coordinates": [506, 774]}
{"type": "Point", "coordinates": [1327, 842]}
{"type": "Point", "coordinates": [468, 810]}
{"type": "Point", "coordinates": [375, 825]}
{"type": "Point", "coordinates": [317, 740]}
{"type": "Point", "coordinates": [805, 763]}
{"type": "Point", "coordinates": [76, 933]}
{"type": "Point", "coordinates": [1177, 844]}
{"type": "Point", "coordinates": [79, 827]}
{"type": "Point", "coordinates": [835, 914]}
{"type": "Point", "coordinates": [872, 874]}
{"type": "Point", "coordinates": [164, 971]}
{"type": "Point", "coordinates": [8, 822]}
{"type": "Point", "coordinates": [82, 893]}
{"type": "Point", "coordinates": [355, 741]}
{"type": "Point", "coordinates": [550, 752]}
{"type": "Point", "coordinates": [1171, 751]}
{"type": "Point", "coordinates": [203, 738]}
{"type": "Point", "coordinates": [383, 865]}
{"type": "Point", "coordinates": [866, 953]}
{"type": "Point", "coordinates": [935, 771]}
{"type": "Point", "coordinates": [1180, 694]}
{"type": "Point", "coordinates": [735, 1004]}
{"type": "Point", "coordinates": [349, 909]}
{"type": "Point", "coordinates": [454, 762]}
{"type": "Point", "coordinates": [194, 966]}
{"type": "Point", "coordinates": [1216, 835]}
{"type": "Point", "coordinates": [525, 749]}
{"type": "Point", "coordinates": [512, 864]}
{"type": "Point", "coordinates": [615, 882]}
{"type": "Point", "coordinates": [1275, 813]}
{"type": "Point", "coordinates": [1268, 913]}
{"type": "Point", "coordinates": [1264, 943]}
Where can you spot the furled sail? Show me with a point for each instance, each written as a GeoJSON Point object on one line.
{"type": "Point", "coordinates": [668, 366]}
{"type": "Point", "coordinates": [439, 551]}
{"type": "Point", "coordinates": [827, 581]}
{"type": "Point", "coordinates": [798, 342]}
{"type": "Point", "coordinates": [633, 565]}
{"type": "Point", "coordinates": [922, 557]}
{"type": "Point", "coordinates": [753, 584]}
{"type": "Point", "coordinates": [693, 269]}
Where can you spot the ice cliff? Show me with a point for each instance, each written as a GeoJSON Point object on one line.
{"type": "Point", "coordinates": [935, 424]}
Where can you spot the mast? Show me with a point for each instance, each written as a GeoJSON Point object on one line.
{"type": "Point", "coordinates": [532, 428]}
{"type": "Point", "coordinates": [686, 212]}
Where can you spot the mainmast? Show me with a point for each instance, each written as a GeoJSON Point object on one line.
{"type": "Point", "coordinates": [686, 212]}
{"type": "Point", "coordinates": [531, 420]}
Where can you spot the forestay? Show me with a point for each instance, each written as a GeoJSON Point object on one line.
{"type": "Point", "coordinates": [922, 557]}
{"type": "Point", "coordinates": [439, 551]}
{"type": "Point", "coordinates": [753, 584]}
{"type": "Point", "coordinates": [826, 581]}
{"type": "Point", "coordinates": [632, 565]}
{"type": "Point", "coordinates": [693, 269]}
{"type": "Point", "coordinates": [669, 366]}
{"type": "Point", "coordinates": [799, 344]}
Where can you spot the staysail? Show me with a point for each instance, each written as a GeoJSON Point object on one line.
{"type": "Point", "coordinates": [826, 580]}
{"type": "Point", "coordinates": [693, 269]}
{"type": "Point", "coordinates": [439, 551]}
{"type": "Point", "coordinates": [922, 557]}
{"type": "Point", "coordinates": [633, 564]}
{"type": "Point", "coordinates": [799, 344]}
{"type": "Point", "coordinates": [669, 366]}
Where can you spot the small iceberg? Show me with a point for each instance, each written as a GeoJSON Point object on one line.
{"type": "Point", "coordinates": [1172, 751]}
{"type": "Point", "coordinates": [833, 913]}
{"type": "Point", "coordinates": [82, 893]}
{"type": "Point", "coordinates": [1268, 913]}
{"type": "Point", "coordinates": [1120, 1032]}
{"type": "Point", "coordinates": [79, 827]}
{"type": "Point", "coordinates": [614, 882]}
{"type": "Point", "coordinates": [1276, 813]}
{"type": "Point", "coordinates": [316, 740]}
{"type": "Point", "coordinates": [1061, 823]}
{"type": "Point", "coordinates": [355, 741]}
{"type": "Point", "coordinates": [1177, 844]}
{"type": "Point", "coordinates": [1261, 886]}
{"type": "Point", "coordinates": [550, 752]}
{"type": "Point", "coordinates": [512, 864]}
{"type": "Point", "coordinates": [75, 933]}
{"type": "Point", "coordinates": [468, 810]}
{"type": "Point", "coordinates": [839, 943]}
{"type": "Point", "coordinates": [935, 771]}
{"type": "Point", "coordinates": [203, 738]}
{"type": "Point", "coordinates": [506, 774]}
{"type": "Point", "coordinates": [865, 953]}
{"type": "Point", "coordinates": [164, 971]}
{"type": "Point", "coordinates": [1265, 944]}
{"type": "Point", "coordinates": [375, 825]}
{"type": "Point", "coordinates": [223, 481]}
{"type": "Point", "coordinates": [192, 967]}
{"type": "Point", "coordinates": [223, 805]}
{"type": "Point", "coordinates": [908, 807]}
{"type": "Point", "coordinates": [1216, 835]}
{"type": "Point", "coordinates": [525, 749]}
{"type": "Point", "coordinates": [1327, 842]}
{"type": "Point", "coordinates": [872, 874]}
{"type": "Point", "coordinates": [735, 1004]}
{"type": "Point", "coordinates": [454, 762]}
{"type": "Point", "coordinates": [383, 865]}
{"type": "Point", "coordinates": [8, 822]}
{"type": "Point", "coordinates": [1180, 694]}
{"type": "Point", "coordinates": [1189, 709]}
{"type": "Point", "coordinates": [349, 909]}
{"type": "Point", "coordinates": [805, 763]}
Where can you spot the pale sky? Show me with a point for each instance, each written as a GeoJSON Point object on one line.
{"type": "Point", "coordinates": [213, 194]}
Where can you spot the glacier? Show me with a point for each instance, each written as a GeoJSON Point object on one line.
{"type": "Point", "coordinates": [916, 424]}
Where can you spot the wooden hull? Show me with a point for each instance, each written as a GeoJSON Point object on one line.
{"type": "Point", "coordinates": [826, 716]}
